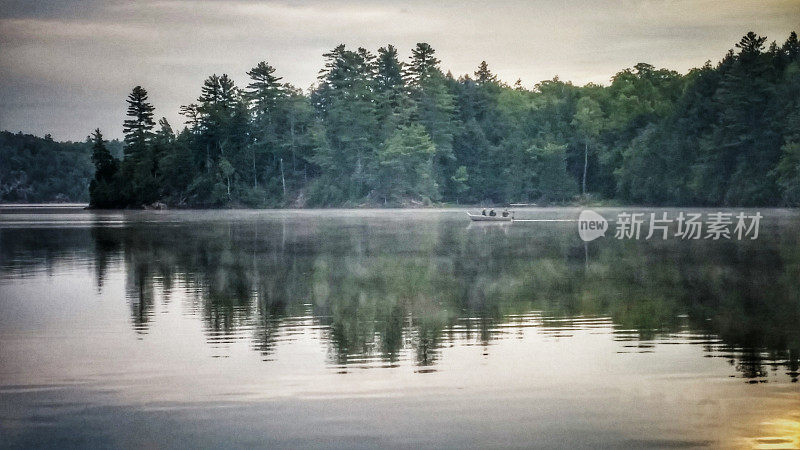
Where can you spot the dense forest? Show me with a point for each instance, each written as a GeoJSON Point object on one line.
{"type": "Point", "coordinates": [376, 130]}
{"type": "Point", "coordinates": [36, 170]}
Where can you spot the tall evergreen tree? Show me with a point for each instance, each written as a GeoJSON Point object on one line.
{"type": "Point", "coordinates": [265, 94]}
{"type": "Point", "coordinates": [422, 65]}
{"type": "Point", "coordinates": [105, 164]}
{"type": "Point", "coordinates": [264, 90]}
{"type": "Point", "coordinates": [138, 128]}
{"type": "Point", "coordinates": [102, 189]}
{"type": "Point", "coordinates": [138, 185]}
{"type": "Point", "coordinates": [392, 102]}
{"type": "Point", "coordinates": [344, 101]}
{"type": "Point", "coordinates": [223, 124]}
{"type": "Point", "coordinates": [484, 75]}
{"type": "Point", "coordinates": [434, 107]}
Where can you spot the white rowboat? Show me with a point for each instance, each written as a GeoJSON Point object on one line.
{"type": "Point", "coordinates": [482, 218]}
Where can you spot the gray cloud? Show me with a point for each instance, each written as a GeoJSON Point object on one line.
{"type": "Point", "coordinates": [67, 66]}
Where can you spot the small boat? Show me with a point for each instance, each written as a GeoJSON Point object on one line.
{"type": "Point", "coordinates": [482, 218]}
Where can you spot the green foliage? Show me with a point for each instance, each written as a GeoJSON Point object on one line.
{"type": "Point", "coordinates": [405, 166]}
{"type": "Point", "coordinates": [343, 100]}
{"type": "Point", "coordinates": [34, 169]}
{"type": "Point", "coordinates": [375, 130]}
{"type": "Point", "coordinates": [103, 188]}
{"type": "Point", "coordinates": [138, 129]}
{"type": "Point", "coordinates": [459, 181]}
{"type": "Point", "coordinates": [789, 173]}
{"type": "Point", "coordinates": [588, 121]}
{"type": "Point", "coordinates": [137, 184]}
{"type": "Point", "coordinates": [392, 102]}
{"type": "Point", "coordinates": [553, 181]}
{"type": "Point", "coordinates": [105, 165]}
{"type": "Point", "coordinates": [720, 143]}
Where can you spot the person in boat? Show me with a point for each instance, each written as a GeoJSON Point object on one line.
{"type": "Point", "coordinates": [483, 212]}
{"type": "Point", "coordinates": [492, 213]}
{"type": "Point", "coordinates": [505, 213]}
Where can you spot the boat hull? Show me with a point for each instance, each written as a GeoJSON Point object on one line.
{"type": "Point", "coordinates": [482, 218]}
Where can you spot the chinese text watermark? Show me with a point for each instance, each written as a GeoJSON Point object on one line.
{"type": "Point", "coordinates": [713, 226]}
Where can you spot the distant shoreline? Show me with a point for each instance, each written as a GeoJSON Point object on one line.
{"type": "Point", "coordinates": [86, 207]}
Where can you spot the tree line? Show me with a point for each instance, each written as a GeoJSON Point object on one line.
{"type": "Point", "coordinates": [37, 170]}
{"type": "Point", "coordinates": [375, 130]}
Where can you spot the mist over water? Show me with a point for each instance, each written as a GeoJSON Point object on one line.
{"type": "Point", "coordinates": [392, 328]}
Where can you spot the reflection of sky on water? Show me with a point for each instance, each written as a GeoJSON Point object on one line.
{"type": "Point", "coordinates": [505, 331]}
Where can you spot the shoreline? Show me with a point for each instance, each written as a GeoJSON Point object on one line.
{"type": "Point", "coordinates": [87, 207]}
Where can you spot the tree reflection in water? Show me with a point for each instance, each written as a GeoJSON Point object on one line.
{"type": "Point", "coordinates": [384, 291]}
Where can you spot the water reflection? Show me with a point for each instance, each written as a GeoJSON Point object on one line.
{"type": "Point", "coordinates": [778, 433]}
{"type": "Point", "coordinates": [381, 292]}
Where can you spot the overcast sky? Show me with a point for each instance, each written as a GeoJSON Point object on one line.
{"type": "Point", "coordinates": [66, 66]}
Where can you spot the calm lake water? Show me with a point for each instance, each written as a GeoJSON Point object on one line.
{"type": "Point", "coordinates": [392, 328]}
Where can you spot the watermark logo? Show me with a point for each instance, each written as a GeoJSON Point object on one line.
{"type": "Point", "coordinates": [688, 226]}
{"type": "Point", "coordinates": [591, 225]}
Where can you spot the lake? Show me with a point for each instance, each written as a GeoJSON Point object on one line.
{"type": "Point", "coordinates": [392, 328]}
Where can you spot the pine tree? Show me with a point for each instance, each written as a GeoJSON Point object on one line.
{"type": "Point", "coordinates": [434, 107]}
{"type": "Point", "coordinates": [265, 95]}
{"type": "Point", "coordinates": [389, 73]}
{"type": "Point", "coordinates": [105, 164]}
{"type": "Point", "coordinates": [163, 141]}
{"type": "Point", "coordinates": [265, 90]}
{"type": "Point", "coordinates": [392, 102]}
{"type": "Point", "coordinates": [791, 48]}
{"type": "Point", "coordinates": [751, 45]}
{"type": "Point", "coordinates": [345, 104]}
{"type": "Point", "coordinates": [138, 183]}
{"type": "Point", "coordinates": [219, 112]}
{"type": "Point", "coordinates": [483, 75]}
{"type": "Point", "coordinates": [102, 191]}
{"type": "Point", "coordinates": [138, 128]}
{"type": "Point", "coordinates": [423, 64]}
{"type": "Point", "coordinates": [192, 114]}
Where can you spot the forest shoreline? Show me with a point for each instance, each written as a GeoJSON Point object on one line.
{"type": "Point", "coordinates": [433, 206]}
{"type": "Point", "coordinates": [376, 131]}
